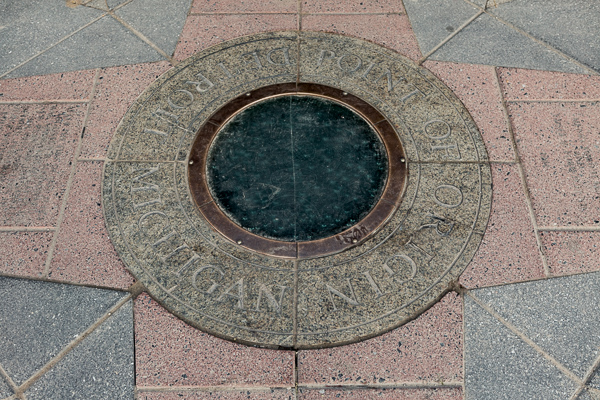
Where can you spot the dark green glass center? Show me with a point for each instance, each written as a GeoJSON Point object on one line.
{"type": "Point", "coordinates": [297, 168]}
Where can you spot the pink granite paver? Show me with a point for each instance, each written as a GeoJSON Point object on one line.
{"type": "Point", "coordinates": [526, 84]}
{"type": "Point", "coordinates": [428, 349]}
{"type": "Point", "coordinates": [245, 6]}
{"type": "Point", "coordinates": [37, 145]}
{"type": "Point", "coordinates": [383, 394]}
{"type": "Point", "coordinates": [75, 85]}
{"type": "Point", "coordinates": [116, 90]}
{"type": "Point", "coordinates": [476, 86]}
{"type": "Point", "coordinates": [559, 146]}
{"type": "Point", "coordinates": [275, 394]}
{"type": "Point", "coordinates": [84, 253]}
{"type": "Point", "coordinates": [202, 31]}
{"type": "Point", "coordinates": [389, 30]}
{"type": "Point", "coordinates": [354, 6]}
{"type": "Point", "coordinates": [171, 353]}
{"type": "Point", "coordinates": [572, 252]}
{"type": "Point", "coordinates": [508, 251]}
{"type": "Point", "coordinates": [23, 254]}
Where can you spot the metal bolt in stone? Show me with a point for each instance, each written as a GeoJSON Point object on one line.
{"type": "Point", "coordinates": [191, 162]}
{"type": "Point", "coordinates": [239, 242]}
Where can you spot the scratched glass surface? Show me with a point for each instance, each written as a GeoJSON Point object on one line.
{"type": "Point", "coordinates": [297, 168]}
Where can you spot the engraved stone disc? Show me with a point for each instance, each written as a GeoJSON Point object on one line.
{"type": "Point", "coordinates": [396, 257]}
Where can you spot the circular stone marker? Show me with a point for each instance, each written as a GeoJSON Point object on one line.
{"type": "Point", "coordinates": [297, 190]}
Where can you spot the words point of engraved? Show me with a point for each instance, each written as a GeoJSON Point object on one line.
{"type": "Point", "coordinates": [379, 272]}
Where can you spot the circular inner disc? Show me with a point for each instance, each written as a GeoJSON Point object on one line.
{"type": "Point", "coordinates": [296, 168]}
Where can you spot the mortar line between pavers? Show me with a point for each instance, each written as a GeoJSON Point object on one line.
{"type": "Point", "coordinates": [447, 39]}
{"type": "Point", "coordinates": [585, 228]}
{"type": "Point", "coordinates": [526, 339]}
{"type": "Point", "coordinates": [395, 385]}
{"type": "Point", "coordinates": [62, 282]}
{"type": "Point", "coordinates": [11, 383]}
{"type": "Point", "coordinates": [586, 378]}
{"type": "Point", "coordinates": [295, 315]}
{"type": "Point", "coordinates": [299, 12]}
{"type": "Point", "coordinates": [524, 33]}
{"type": "Point", "coordinates": [200, 389]}
{"type": "Point", "coordinates": [63, 206]}
{"type": "Point", "coordinates": [141, 36]}
{"type": "Point", "coordinates": [67, 349]}
{"type": "Point", "coordinates": [27, 228]}
{"type": "Point", "coordinates": [524, 185]}
{"type": "Point", "coordinates": [554, 101]}
{"type": "Point", "coordinates": [102, 159]}
{"type": "Point", "coordinates": [461, 294]}
{"type": "Point", "coordinates": [57, 101]}
{"type": "Point", "coordinates": [52, 45]}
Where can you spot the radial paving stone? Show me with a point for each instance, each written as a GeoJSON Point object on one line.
{"type": "Point", "coordinates": [100, 367]}
{"type": "Point", "coordinates": [560, 315]}
{"type": "Point", "coordinates": [105, 43]}
{"type": "Point", "coordinates": [159, 21]}
{"type": "Point", "coordinates": [29, 27]}
{"type": "Point", "coordinates": [500, 365]}
{"type": "Point", "coordinates": [24, 254]}
{"type": "Point", "coordinates": [428, 349]}
{"type": "Point", "coordinates": [40, 318]}
{"type": "Point", "coordinates": [75, 85]}
{"type": "Point", "coordinates": [571, 26]}
{"type": "Point", "coordinates": [488, 41]}
{"type": "Point", "coordinates": [589, 394]}
{"type": "Point", "coordinates": [571, 252]}
{"type": "Point", "coordinates": [594, 381]}
{"type": "Point", "coordinates": [525, 84]}
{"type": "Point", "coordinates": [433, 20]}
{"type": "Point", "coordinates": [564, 185]}
{"type": "Point", "coordinates": [83, 252]}
{"type": "Point", "coordinates": [37, 147]}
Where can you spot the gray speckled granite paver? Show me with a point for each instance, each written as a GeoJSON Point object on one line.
{"type": "Point", "coordinates": [434, 20]}
{"type": "Point", "coordinates": [104, 43]}
{"type": "Point", "coordinates": [39, 319]}
{"type": "Point", "coordinates": [86, 37]}
{"type": "Point", "coordinates": [571, 26]}
{"type": "Point", "coordinates": [499, 365]}
{"type": "Point", "coordinates": [30, 27]}
{"type": "Point", "coordinates": [488, 41]}
{"type": "Point", "coordinates": [560, 315]}
{"type": "Point", "coordinates": [5, 390]}
{"type": "Point", "coordinates": [158, 20]}
{"type": "Point", "coordinates": [100, 367]}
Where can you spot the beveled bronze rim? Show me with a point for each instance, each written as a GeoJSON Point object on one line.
{"type": "Point", "coordinates": [385, 207]}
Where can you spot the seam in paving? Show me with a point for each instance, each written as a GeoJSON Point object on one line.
{"type": "Point", "coordinates": [102, 159]}
{"type": "Point", "coordinates": [395, 385]}
{"type": "Point", "coordinates": [449, 37]}
{"type": "Point", "coordinates": [526, 339]}
{"type": "Point", "coordinates": [524, 33]}
{"type": "Point", "coordinates": [586, 378]}
{"type": "Point", "coordinates": [62, 282]}
{"type": "Point", "coordinates": [58, 101]}
{"type": "Point", "coordinates": [554, 101]}
{"type": "Point", "coordinates": [53, 45]}
{"type": "Point", "coordinates": [141, 36]}
{"type": "Point", "coordinates": [462, 295]}
{"type": "Point", "coordinates": [201, 389]}
{"type": "Point", "coordinates": [63, 206]}
{"type": "Point", "coordinates": [544, 278]}
{"type": "Point", "coordinates": [67, 349]}
{"type": "Point", "coordinates": [209, 13]}
{"type": "Point", "coordinates": [524, 185]}
{"type": "Point", "coordinates": [569, 228]}
{"type": "Point", "coordinates": [8, 380]}
{"type": "Point", "coordinates": [27, 229]}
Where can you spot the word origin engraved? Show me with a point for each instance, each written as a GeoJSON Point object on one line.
{"type": "Point", "coordinates": [370, 276]}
